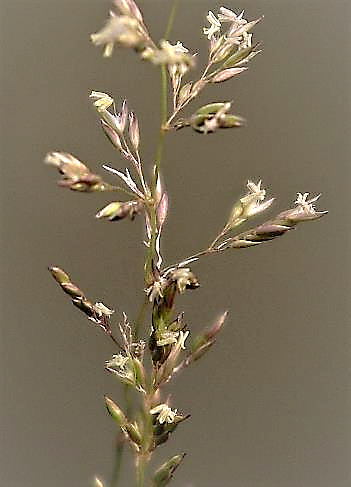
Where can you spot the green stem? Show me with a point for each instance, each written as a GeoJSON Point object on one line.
{"type": "Point", "coordinates": [164, 92]}
{"type": "Point", "coordinates": [143, 457]}
{"type": "Point", "coordinates": [140, 471]}
{"type": "Point", "coordinates": [120, 445]}
{"type": "Point", "coordinates": [171, 18]}
{"type": "Point", "coordinates": [164, 113]}
{"type": "Point", "coordinates": [151, 255]}
{"type": "Point", "coordinates": [118, 459]}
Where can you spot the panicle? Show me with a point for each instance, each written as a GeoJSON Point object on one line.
{"type": "Point", "coordinates": [170, 281]}
{"type": "Point", "coordinates": [176, 57]}
{"type": "Point", "coordinates": [114, 126]}
{"type": "Point", "coordinates": [131, 430]}
{"type": "Point", "coordinates": [165, 421]}
{"type": "Point", "coordinates": [304, 210]}
{"type": "Point", "coordinates": [249, 205]}
{"type": "Point", "coordinates": [165, 472]}
{"type": "Point", "coordinates": [128, 369]}
{"type": "Point", "coordinates": [230, 41]}
{"type": "Point", "coordinates": [118, 210]}
{"type": "Point", "coordinates": [126, 30]}
{"type": "Point", "coordinates": [226, 74]}
{"type": "Point", "coordinates": [75, 175]}
{"type": "Point", "coordinates": [201, 344]}
{"type": "Point", "coordinates": [170, 361]}
{"type": "Point", "coordinates": [164, 413]}
{"type": "Point", "coordinates": [115, 412]}
{"type": "Point", "coordinates": [171, 347]}
{"type": "Point", "coordinates": [276, 227]}
{"type": "Point", "coordinates": [184, 279]}
{"type": "Point", "coordinates": [98, 313]}
{"type": "Point", "coordinates": [209, 118]}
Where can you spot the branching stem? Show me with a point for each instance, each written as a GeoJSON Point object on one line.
{"type": "Point", "coordinates": [158, 157]}
{"type": "Point", "coordinates": [167, 124]}
{"type": "Point", "coordinates": [164, 112]}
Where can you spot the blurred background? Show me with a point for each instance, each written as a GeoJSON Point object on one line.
{"type": "Point", "coordinates": [270, 404]}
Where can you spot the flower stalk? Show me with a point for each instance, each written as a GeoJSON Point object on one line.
{"type": "Point", "coordinates": [147, 359]}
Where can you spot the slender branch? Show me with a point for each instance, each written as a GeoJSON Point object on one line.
{"type": "Point", "coordinates": [171, 19]}
{"type": "Point", "coordinates": [189, 99]}
{"type": "Point", "coordinates": [122, 190]}
{"type": "Point", "coordinates": [164, 112]}
{"type": "Point", "coordinates": [158, 158]}
{"type": "Point", "coordinates": [210, 250]}
{"type": "Point", "coordinates": [115, 341]}
{"type": "Point", "coordinates": [191, 258]}
{"type": "Point", "coordinates": [164, 91]}
{"type": "Point", "coordinates": [144, 455]}
{"type": "Point", "coordinates": [219, 236]}
{"type": "Point", "coordinates": [141, 175]}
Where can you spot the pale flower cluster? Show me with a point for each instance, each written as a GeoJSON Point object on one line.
{"type": "Point", "coordinates": [168, 337]}
{"type": "Point", "coordinates": [214, 27]}
{"type": "Point", "coordinates": [122, 366]}
{"type": "Point", "coordinates": [102, 101]}
{"type": "Point", "coordinates": [165, 413]}
{"type": "Point", "coordinates": [147, 422]}
{"type": "Point", "coordinates": [305, 209]}
{"type": "Point", "coordinates": [171, 55]}
{"type": "Point", "coordinates": [305, 204]}
{"type": "Point", "coordinates": [237, 32]}
{"type": "Point", "coordinates": [120, 29]}
{"type": "Point", "coordinates": [102, 310]}
{"type": "Point", "coordinates": [252, 201]}
{"type": "Point", "coordinates": [118, 361]}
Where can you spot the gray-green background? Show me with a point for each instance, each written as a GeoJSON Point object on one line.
{"type": "Point", "coordinates": [270, 404]}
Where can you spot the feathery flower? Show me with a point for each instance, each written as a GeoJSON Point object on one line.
{"type": "Point", "coordinates": [165, 413]}
{"type": "Point", "coordinates": [118, 361]}
{"type": "Point", "coordinates": [214, 28]}
{"type": "Point", "coordinates": [302, 202]}
{"type": "Point", "coordinates": [305, 210]}
{"type": "Point", "coordinates": [122, 30]}
{"type": "Point", "coordinates": [251, 202]}
{"type": "Point", "coordinates": [102, 310]}
{"type": "Point", "coordinates": [102, 100]}
{"type": "Point", "coordinates": [167, 338]}
{"type": "Point", "coordinates": [172, 55]}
